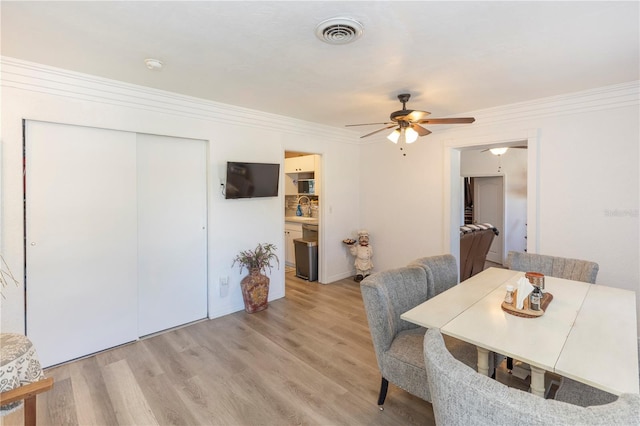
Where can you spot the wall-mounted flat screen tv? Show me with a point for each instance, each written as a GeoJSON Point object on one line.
{"type": "Point", "coordinates": [249, 180]}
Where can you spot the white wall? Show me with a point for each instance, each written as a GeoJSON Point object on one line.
{"type": "Point", "coordinates": [583, 174]}
{"type": "Point", "coordinates": [514, 170]}
{"type": "Point", "coordinates": [402, 201]}
{"type": "Point", "coordinates": [32, 91]}
{"type": "Point", "coordinates": [583, 161]}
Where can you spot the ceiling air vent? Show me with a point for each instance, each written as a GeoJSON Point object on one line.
{"type": "Point", "coordinates": [339, 30]}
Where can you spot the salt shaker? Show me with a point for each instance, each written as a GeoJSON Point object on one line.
{"type": "Point", "coordinates": [508, 298]}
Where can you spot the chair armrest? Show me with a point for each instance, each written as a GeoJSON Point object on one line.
{"type": "Point", "coordinates": [26, 391]}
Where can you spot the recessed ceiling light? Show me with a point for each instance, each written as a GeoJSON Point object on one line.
{"type": "Point", "coordinates": [339, 30]}
{"type": "Point", "coordinates": [153, 64]}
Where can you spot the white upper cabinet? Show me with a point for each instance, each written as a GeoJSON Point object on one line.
{"type": "Point", "coordinates": [306, 163]}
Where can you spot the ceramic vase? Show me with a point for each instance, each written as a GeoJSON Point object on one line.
{"type": "Point", "coordinates": [255, 291]}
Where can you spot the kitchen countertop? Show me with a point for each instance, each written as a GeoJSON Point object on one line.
{"type": "Point", "coordinates": [301, 219]}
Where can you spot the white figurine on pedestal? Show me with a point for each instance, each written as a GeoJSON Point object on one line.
{"type": "Point", "coordinates": [363, 253]}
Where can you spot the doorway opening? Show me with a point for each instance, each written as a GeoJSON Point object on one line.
{"type": "Point", "coordinates": [484, 203]}
{"type": "Point", "coordinates": [303, 203]}
{"type": "Point", "coordinates": [518, 172]}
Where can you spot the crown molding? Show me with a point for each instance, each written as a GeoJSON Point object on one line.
{"type": "Point", "coordinates": [38, 78]}
{"type": "Point", "coordinates": [598, 99]}
{"type": "Point", "coordinates": [33, 77]}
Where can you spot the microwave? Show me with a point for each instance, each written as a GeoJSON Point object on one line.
{"type": "Point", "coordinates": [306, 186]}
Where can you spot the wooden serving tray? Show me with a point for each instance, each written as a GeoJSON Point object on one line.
{"type": "Point", "coordinates": [510, 308]}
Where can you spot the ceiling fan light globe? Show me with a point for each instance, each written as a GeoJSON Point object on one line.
{"type": "Point", "coordinates": [410, 135]}
{"type": "Point", "coordinates": [394, 136]}
{"type": "Point", "coordinates": [498, 151]}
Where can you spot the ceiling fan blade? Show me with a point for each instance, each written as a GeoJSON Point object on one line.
{"type": "Point", "coordinates": [421, 130]}
{"type": "Point", "coordinates": [454, 120]}
{"type": "Point", "coordinates": [369, 124]}
{"type": "Point", "coordinates": [379, 130]}
{"type": "Point", "coordinates": [415, 116]}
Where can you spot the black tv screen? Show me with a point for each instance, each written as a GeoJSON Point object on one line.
{"type": "Point", "coordinates": [249, 180]}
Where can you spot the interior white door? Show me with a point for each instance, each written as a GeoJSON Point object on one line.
{"type": "Point", "coordinates": [172, 235]}
{"type": "Point", "coordinates": [81, 249]}
{"type": "Point", "coordinates": [488, 207]}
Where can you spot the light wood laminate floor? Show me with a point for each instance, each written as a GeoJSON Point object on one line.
{"type": "Point", "coordinates": [308, 359]}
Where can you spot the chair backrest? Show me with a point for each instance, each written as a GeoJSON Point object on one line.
{"type": "Point", "coordinates": [442, 272]}
{"type": "Point", "coordinates": [386, 296]}
{"type": "Point", "coordinates": [486, 238]}
{"type": "Point", "coordinates": [553, 266]}
{"type": "Point", "coordinates": [461, 396]}
{"type": "Point", "coordinates": [466, 244]}
{"type": "Point", "coordinates": [475, 242]}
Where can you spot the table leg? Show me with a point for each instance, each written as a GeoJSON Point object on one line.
{"type": "Point", "coordinates": [537, 381]}
{"type": "Point", "coordinates": [483, 361]}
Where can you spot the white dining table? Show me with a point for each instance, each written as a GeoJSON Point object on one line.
{"type": "Point", "coordinates": [588, 332]}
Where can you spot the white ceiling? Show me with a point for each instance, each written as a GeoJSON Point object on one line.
{"type": "Point", "coordinates": [453, 57]}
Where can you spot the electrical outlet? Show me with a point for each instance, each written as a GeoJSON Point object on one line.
{"type": "Point", "coordinates": [224, 286]}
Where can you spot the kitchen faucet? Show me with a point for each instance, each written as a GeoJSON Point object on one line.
{"type": "Point", "coordinates": [308, 204]}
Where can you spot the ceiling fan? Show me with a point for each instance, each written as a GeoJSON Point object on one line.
{"type": "Point", "coordinates": [408, 123]}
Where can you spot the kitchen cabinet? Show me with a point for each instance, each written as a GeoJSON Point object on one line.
{"type": "Point", "coordinates": [290, 184]}
{"type": "Point", "coordinates": [305, 163]}
{"type": "Point", "coordinates": [291, 232]}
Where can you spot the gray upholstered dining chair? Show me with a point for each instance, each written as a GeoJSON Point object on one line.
{"type": "Point", "coordinates": [442, 272]}
{"type": "Point", "coordinates": [461, 396]}
{"type": "Point", "coordinates": [576, 393]}
{"type": "Point", "coordinates": [398, 343]}
{"type": "Point", "coordinates": [553, 266]}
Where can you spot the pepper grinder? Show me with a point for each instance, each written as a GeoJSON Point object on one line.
{"type": "Point", "coordinates": [535, 299]}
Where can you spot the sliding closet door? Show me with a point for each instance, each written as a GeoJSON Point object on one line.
{"type": "Point", "coordinates": [81, 248]}
{"type": "Point", "coordinates": [172, 235]}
